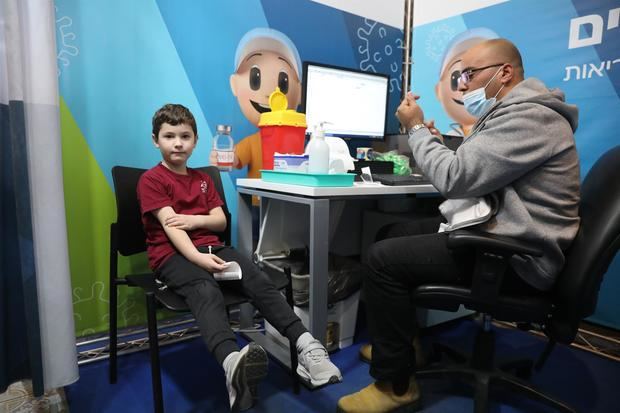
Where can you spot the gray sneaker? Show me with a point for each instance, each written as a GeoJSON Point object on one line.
{"type": "Point", "coordinates": [249, 369]}
{"type": "Point", "coordinates": [315, 367]}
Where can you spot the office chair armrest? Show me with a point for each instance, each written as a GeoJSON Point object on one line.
{"type": "Point", "coordinates": [493, 243]}
{"type": "Point", "coordinates": [492, 255]}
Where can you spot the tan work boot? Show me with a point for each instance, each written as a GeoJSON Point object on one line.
{"type": "Point", "coordinates": [366, 353]}
{"type": "Point", "coordinates": [420, 357]}
{"type": "Point", "coordinates": [379, 397]}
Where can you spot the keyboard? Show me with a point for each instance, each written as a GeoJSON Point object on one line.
{"type": "Point", "coordinates": [391, 179]}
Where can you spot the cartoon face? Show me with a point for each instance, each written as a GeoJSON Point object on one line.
{"type": "Point", "coordinates": [257, 77]}
{"type": "Point", "coordinates": [450, 97]}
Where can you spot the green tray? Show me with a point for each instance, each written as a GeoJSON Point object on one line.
{"type": "Point", "coordinates": [305, 179]}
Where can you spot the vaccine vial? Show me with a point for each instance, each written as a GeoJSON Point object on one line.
{"type": "Point", "coordinates": [223, 145]}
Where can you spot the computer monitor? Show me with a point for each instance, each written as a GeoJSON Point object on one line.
{"type": "Point", "coordinates": [353, 102]}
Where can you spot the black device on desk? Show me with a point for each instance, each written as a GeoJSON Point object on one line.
{"type": "Point", "coordinates": [376, 167]}
{"type": "Point", "coordinates": [391, 179]}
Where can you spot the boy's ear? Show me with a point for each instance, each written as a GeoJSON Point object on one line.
{"type": "Point", "coordinates": [233, 84]}
{"type": "Point", "coordinates": [155, 140]}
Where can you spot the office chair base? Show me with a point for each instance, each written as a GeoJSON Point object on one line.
{"type": "Point", "coordinates": [482, 380]}
{"type": "Point", "coordinates": [482, 370]}
{"type": "Point", "coordinates": [522, 368]}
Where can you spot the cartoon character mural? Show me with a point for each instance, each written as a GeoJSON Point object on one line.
{"type": "Point", "coordinates": [449, 73]}
{"type": "Point", "coordinates": [265, 59]}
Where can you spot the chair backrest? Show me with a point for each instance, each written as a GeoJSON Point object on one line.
{"type": "Point", "coordinates": [597, 241]}
{"type": "Point", "coordinates": [127, 230]}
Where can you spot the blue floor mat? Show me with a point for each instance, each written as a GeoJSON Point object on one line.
{"type": "Point", "coordinates": [194, 382]}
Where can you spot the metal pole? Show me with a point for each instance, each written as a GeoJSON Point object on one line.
{"type": "Point", "coordinates": [408, 31]}
{"type": "Point", "coordinates": [407, 61]}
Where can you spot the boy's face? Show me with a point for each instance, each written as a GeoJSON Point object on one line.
{"type": "Point", "coordinates": [257, 77]}
{"type": "Point", "coordinates": [176, 144]}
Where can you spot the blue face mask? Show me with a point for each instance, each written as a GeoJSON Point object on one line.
{"type": "Point", "coordinates": [476, 102]}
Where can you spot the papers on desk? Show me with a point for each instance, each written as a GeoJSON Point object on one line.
{"type": "Point", "coordinates": [367, 184]}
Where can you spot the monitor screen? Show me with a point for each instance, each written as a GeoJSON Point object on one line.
{"type": "Point", "coordinates": [353, 102]}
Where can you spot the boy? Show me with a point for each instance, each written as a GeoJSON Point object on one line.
{"type": "Point", "coordinates": [181, 210]}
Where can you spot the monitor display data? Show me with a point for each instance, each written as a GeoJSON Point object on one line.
{"type": "Point", "coordinates": [353, 102]}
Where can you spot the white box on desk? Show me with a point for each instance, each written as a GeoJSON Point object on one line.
{"type": "Point", "coordinates": [343, 312]}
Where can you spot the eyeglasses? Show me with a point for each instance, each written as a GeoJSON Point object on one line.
{"type": "Point", "coordinates": [467, 75]}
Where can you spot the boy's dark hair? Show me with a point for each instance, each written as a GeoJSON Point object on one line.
{"type": "Point", "coordinates": [173, 114]}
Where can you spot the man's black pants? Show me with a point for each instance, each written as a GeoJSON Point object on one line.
{"type": "Point", "coordinates": [413, 254]}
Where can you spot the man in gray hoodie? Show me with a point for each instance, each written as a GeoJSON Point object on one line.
{"type": "Point", "coordinates": [522, 151]}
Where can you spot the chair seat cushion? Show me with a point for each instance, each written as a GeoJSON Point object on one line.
{"type": "Point", "coordinates": [146, 281]}
{"type": "Point", "coordinates": [507, 307]}
{"type": "Point", "coordinates": [165, 296]}
{"type": "Point", "coordinates": [175, 302]}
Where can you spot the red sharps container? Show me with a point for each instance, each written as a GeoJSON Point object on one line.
{"type": "Point", "coordinates": [282, 130]}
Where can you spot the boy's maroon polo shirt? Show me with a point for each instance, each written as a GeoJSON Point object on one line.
{"type": "Point", "coordinates": [191, 194]}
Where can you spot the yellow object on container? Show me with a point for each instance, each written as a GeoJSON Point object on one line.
{"type": "Point", "coordinates": [280, 115]}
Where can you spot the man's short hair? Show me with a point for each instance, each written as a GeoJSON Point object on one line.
{"type": "Point", "coordinates": [508, 52]}
{"type": "Point", "coordinates": [173, 114]}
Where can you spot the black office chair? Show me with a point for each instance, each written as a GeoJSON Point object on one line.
{"type": "Point", "coordinates": [559, 311]}
{"type": "Point", "coordinates": [127, 238]}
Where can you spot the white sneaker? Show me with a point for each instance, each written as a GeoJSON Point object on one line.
{"type": "Point", "coordinates": [248, 370]}
{"type": "Point", "coordinates": [315, 366]}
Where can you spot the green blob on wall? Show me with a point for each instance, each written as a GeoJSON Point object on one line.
{"type": "Point", "coordinates": [90, 209]}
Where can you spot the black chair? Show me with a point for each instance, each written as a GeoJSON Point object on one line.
{"type": "Point", "coordinates": [127, 238]}
{"type": "Point", "coordinates": [559, 311]}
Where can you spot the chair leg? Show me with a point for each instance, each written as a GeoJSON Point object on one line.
{"type": "Point", "coordinates": [522, 368]}
{"type": "Point", "coordinates": [483, 356]}
{"type": "Point", "coordinates": [292, 346]}
{"type": "Point", "coordinates": [112, 334]}
{"type": "Point", "coordinates": [481, 393]}
{"type": "Point", "coordinates": [439, 350]}
{"type": "Point", "coordinates": [545, 355]}
{"type": "Point", "coordinates": [158, 399]}
{"type": "Point", "coordinates": [530, 392]}
{"type": "Point", "coordinates": [294, 376]}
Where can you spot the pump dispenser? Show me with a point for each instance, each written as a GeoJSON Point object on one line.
{"type": "Point", "coordinates": [318, 151]}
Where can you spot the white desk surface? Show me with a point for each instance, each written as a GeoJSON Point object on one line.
{"type": "Point", "coordinates": [356, 189]}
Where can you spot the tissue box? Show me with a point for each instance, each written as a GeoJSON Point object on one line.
{"type": "Point", "coordinates": [291, 163]}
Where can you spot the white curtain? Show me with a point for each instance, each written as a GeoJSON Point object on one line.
{"type": "Point", "coordinates": [28, 74]}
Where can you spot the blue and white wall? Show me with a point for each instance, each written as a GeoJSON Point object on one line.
{"type": "Point", "coordinates": [118, 61]}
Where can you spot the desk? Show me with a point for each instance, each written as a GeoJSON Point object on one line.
{"type": "Point", "coordinates": [318, 199]}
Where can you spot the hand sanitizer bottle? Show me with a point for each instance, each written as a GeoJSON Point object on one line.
{"type": "Point", "coordinates": [318, 152]}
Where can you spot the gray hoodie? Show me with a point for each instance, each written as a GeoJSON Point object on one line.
{"type": "Point", "coordinates": [523, 150]}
